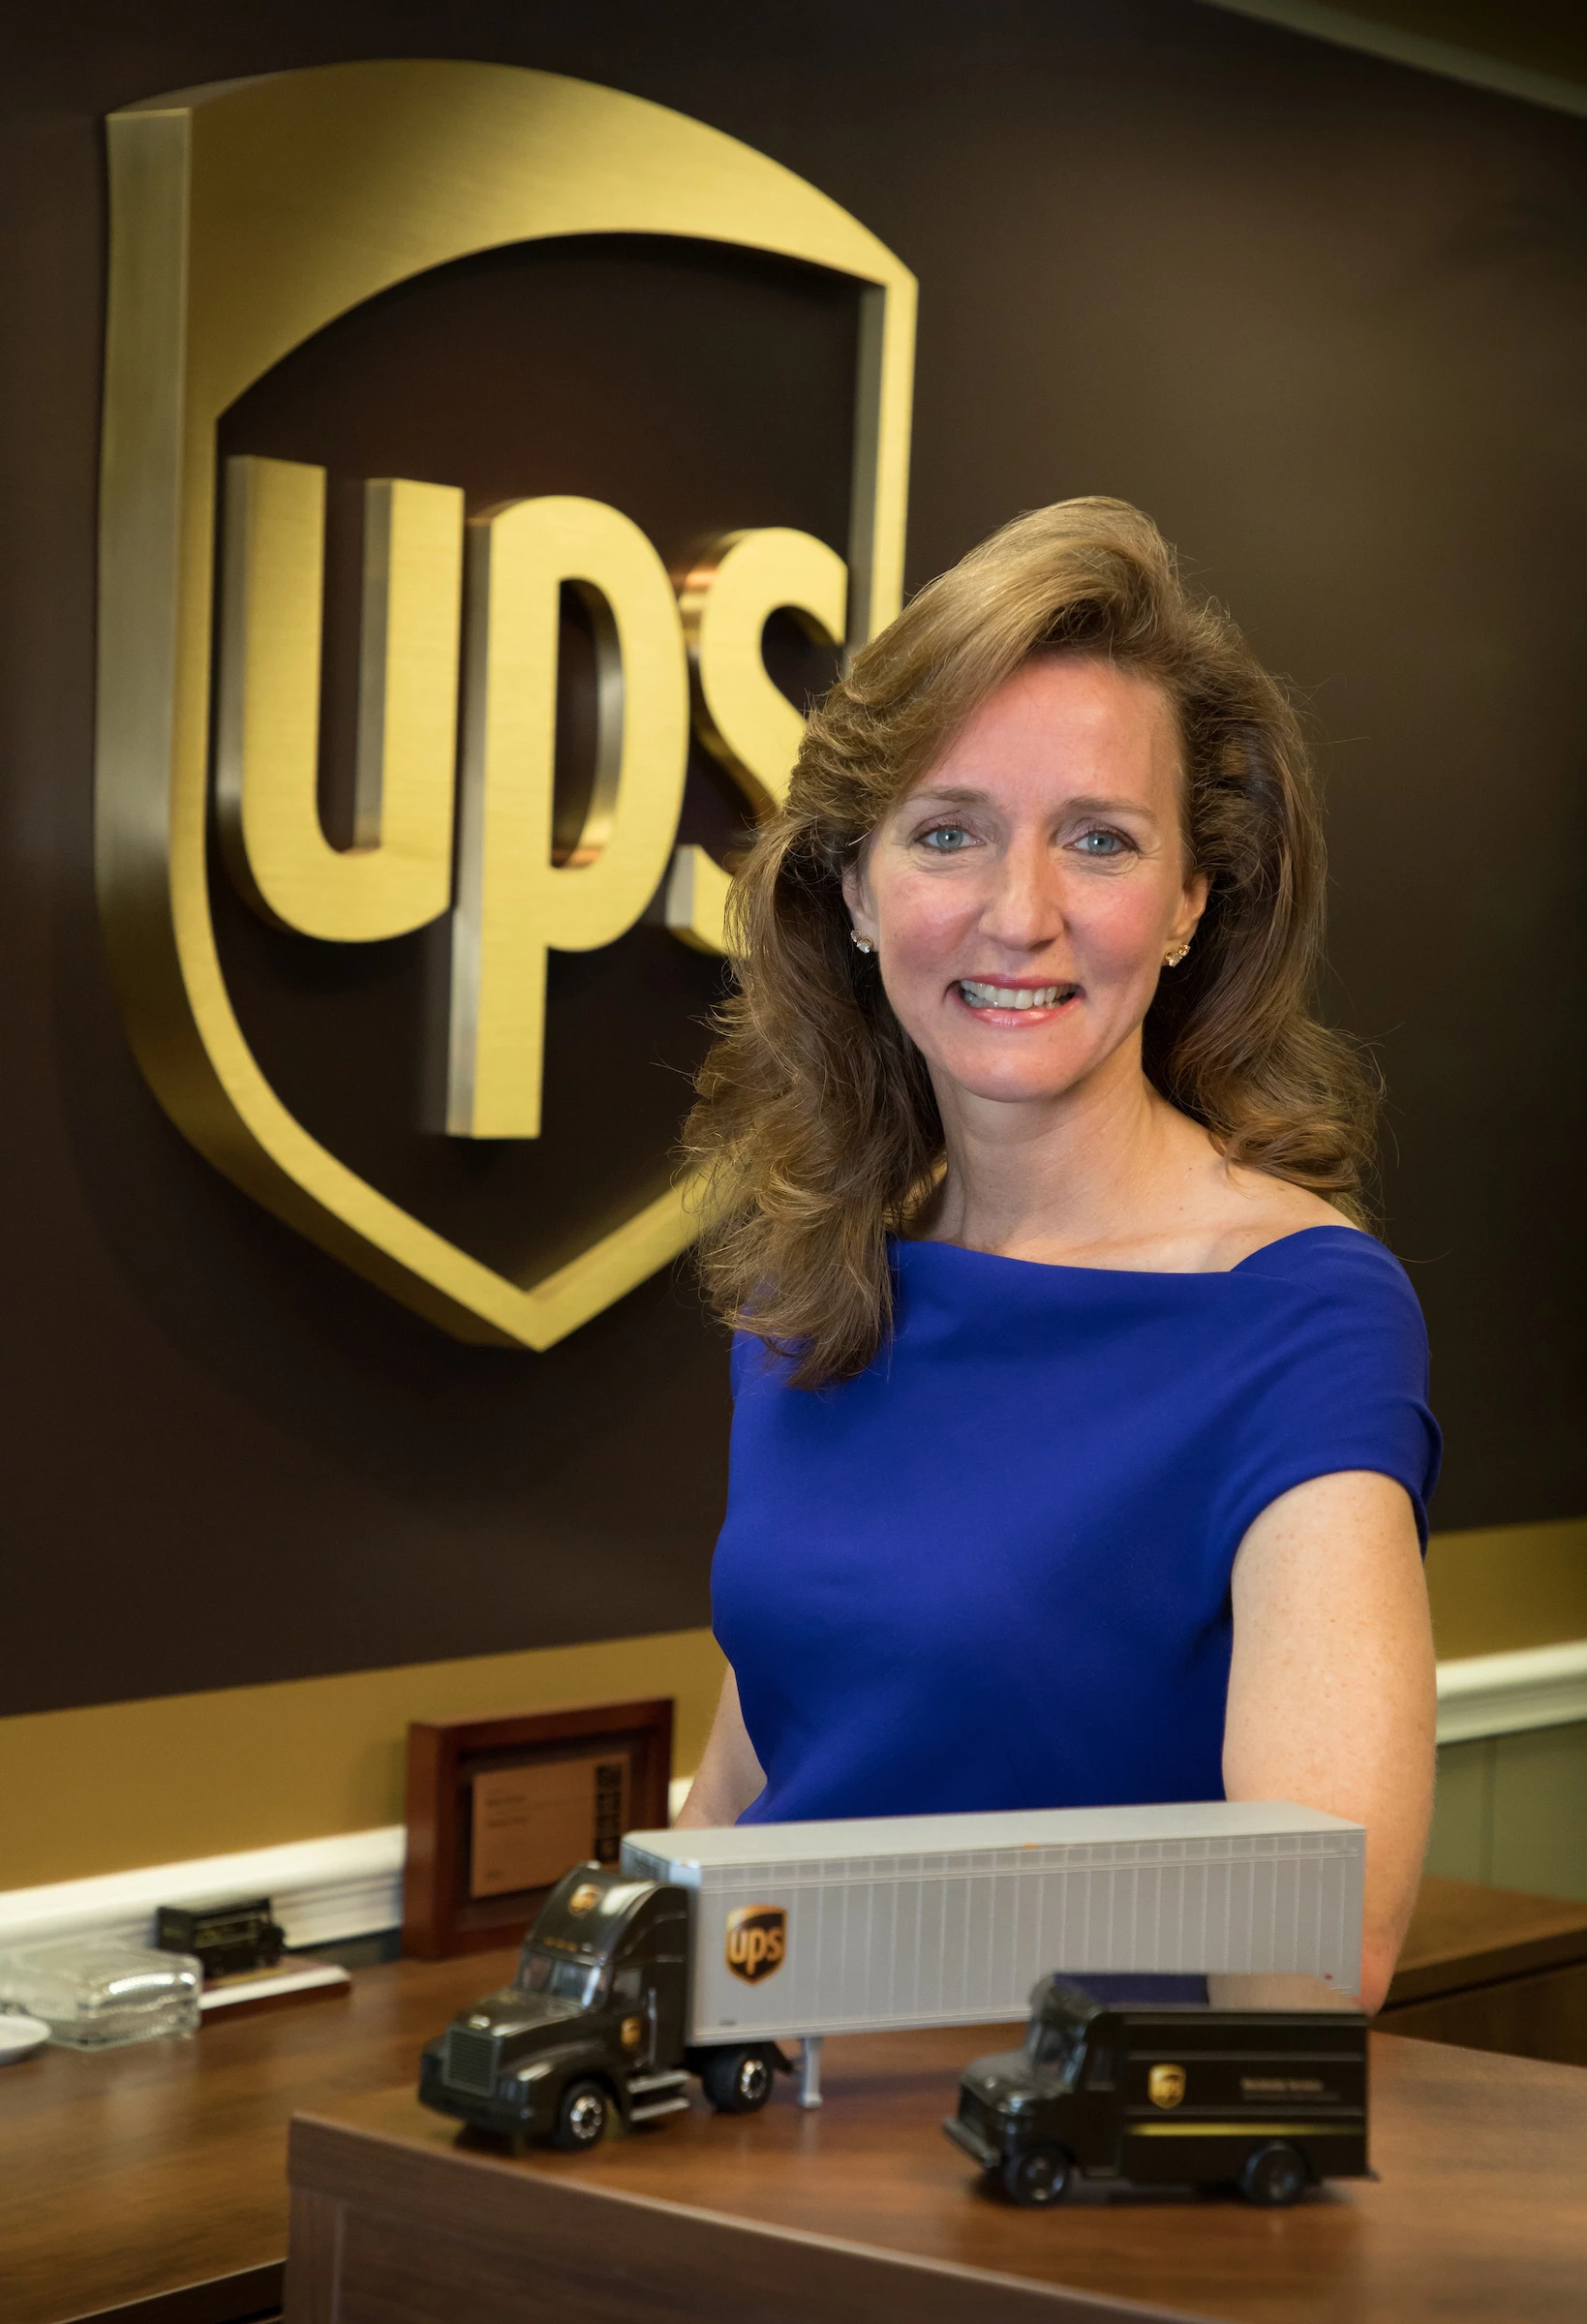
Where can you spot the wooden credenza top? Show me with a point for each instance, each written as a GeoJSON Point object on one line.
{"type": "Point", "coordinates": [1478, 2212]}
{"type": "Point", "coordinates": [1464, 1934]}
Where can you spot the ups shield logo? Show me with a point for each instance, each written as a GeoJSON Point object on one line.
{"type": "Point", "coordinates": [493, 465]}
{"type": "Point", "coordinates": [1166, 2085]}
{"type": "Point", "coordinates": [757, 1942]}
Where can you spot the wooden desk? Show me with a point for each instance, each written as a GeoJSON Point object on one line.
{"type": "Point", "coordinates": [1493, 1969]}
{"type": "Point", "coordinates": [160, 2172]}
{"type": "Point", "coordinates": [864, 2210]}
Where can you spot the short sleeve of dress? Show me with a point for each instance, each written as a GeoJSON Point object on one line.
{"type": "Point", "coordinates": [1339, 1382]}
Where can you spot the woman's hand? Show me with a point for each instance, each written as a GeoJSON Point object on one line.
{"type": "Point", "coordinates": [1332, 1693]}
{"type": "Point", "coordinates": [730, 1776]}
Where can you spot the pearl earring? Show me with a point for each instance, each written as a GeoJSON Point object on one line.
{"type": "Point", "coordinates": [859, 942]}
{"type": "Point", "coordinates": [1172, 960]}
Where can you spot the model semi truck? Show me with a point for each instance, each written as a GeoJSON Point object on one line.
{"type": "Point", "coordinates": [703, 1951]}
{"type": "Point", "coordinates": [1166, 2081]}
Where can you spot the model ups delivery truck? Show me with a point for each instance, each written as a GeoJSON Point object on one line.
{"type": "Point", "coordinates": [1173, 2082]}
{"type": "Point", "coordinates": [703, 1950]}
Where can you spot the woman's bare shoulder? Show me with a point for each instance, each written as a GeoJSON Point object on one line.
{"type": "Point", "coordinates": [1259, 1210]}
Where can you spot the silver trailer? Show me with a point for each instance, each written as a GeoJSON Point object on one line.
{"type": "Point", "coordinates": [799, 1930]}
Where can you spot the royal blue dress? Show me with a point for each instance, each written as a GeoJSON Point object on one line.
{"type": "Point", "coordinates": [992, 1570]}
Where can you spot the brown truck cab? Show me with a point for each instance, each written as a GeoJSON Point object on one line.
{"type": "Point", "coordinates": [594, 2025]}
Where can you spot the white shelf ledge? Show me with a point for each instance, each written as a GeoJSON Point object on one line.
{"type": "Point", "coordinates": [1507, 1693]}
{"type": "Point", "coordinates": [348, 1884]}
{"type": "Point", "coordinates": [324, 1891]}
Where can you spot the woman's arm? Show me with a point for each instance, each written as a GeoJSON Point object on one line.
{"type": "Point", "coordinates": [730, 1776]}
{"type": "Point", "coordinates": [1331, 1695]}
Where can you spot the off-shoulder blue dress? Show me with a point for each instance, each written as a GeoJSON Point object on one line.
{"type": "Point", "coordinates": [992, 1570]}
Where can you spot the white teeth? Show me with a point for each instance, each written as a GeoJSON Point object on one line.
{"type": "Point", "coordinates": [1009, 997]}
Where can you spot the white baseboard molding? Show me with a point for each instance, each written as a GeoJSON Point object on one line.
{"type": "Point", "coordinates": [1508, 1693]}
{"type": "Point", "coordinates": [323, 1891]}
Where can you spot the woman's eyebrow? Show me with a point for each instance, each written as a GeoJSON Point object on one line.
{"type": "Point", "coordinates": [1089, 805]}
{"type": "Point", "coordinates": [1083, 803]}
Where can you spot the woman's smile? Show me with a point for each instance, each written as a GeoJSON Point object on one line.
{"type": "Point", "coordinates": [1011, 1004]}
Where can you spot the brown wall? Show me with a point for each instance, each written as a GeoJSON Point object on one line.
{"type": "Point", "coordinates": [1320, 315]}
{"type": "Point", "coordinates": [1533, 36]}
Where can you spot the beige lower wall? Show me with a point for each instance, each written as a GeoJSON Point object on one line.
{"type": "Point", "coordinates": [1511, 1812]}
{"type": "Point", "coordinates": [124, 1784]}
{"type": "Point", "coordinates": [119, 1784]}
{"type": "Point", "coordinates": [1508, 1586]}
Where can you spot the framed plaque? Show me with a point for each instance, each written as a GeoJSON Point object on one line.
{"type": "Point", "coordinates": [498, 1809]}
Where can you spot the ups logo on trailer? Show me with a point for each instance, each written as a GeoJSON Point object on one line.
{"type": "Point", "coordinates": [492, 464]}
{"type": "Point", "coordinates": [757, 1942]}
{"type": "Point", "coordinates": [1166, 2085]}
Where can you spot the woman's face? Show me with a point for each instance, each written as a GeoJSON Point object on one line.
{"type": "Point", "coordinates": [1023, 897]}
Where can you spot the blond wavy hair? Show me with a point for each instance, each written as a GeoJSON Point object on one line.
{"type": "Point", "coordinates": [815, 1131]}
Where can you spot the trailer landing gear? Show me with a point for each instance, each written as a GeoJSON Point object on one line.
{"type": "Point", "coordinates": [809, 2071]}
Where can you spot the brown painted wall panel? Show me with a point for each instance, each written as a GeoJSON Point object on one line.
{"type": "Point", "coordinates": [1323, 316]}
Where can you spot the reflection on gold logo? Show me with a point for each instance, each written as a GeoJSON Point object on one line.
{"type": "Point", "coordinates": [757, 1942]}
{"type": "Point", "coordinates": [633, 2033]}
{"type": "Point", "coordinates": [1166, 2085]}
{"type": "Point", "coordinates": [585, 1897]}
{"type": "Point", "coordinates": [322, 190]}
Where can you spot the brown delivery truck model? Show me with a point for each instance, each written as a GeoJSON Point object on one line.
{"type": "Point", "coordinates": [1144, 2082]}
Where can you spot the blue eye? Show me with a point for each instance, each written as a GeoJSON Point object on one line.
{"type": "Point", "coordinates": [947, 839]}
{"type": "Point", "coordinates": [1102, 844]}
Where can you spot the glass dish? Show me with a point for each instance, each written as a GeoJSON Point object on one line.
{"type": "Point", "coordinates": [94, 1993]}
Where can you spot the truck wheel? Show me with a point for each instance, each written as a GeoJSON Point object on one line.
{"type": "Point", "coordinates": [581, 2118]}
{"type": "Point", "coordinates": [738, 2081]}
{"type": "Point", "coordinates": [1273, 2177]}
{"type": "Point", "coordinates": [1036, 2178]}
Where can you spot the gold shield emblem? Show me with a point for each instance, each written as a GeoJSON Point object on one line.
{"type": "Point", "coordinates": [1166, 2085]}
{"type": "Point", "coordinates": [585, 1898]}
{"type": "Point", "coordinates": [320, 190]}
{"type": "Point", "coordinates": [633, 2033]}
{"type": "Point", "coordinates": [757, 1942]}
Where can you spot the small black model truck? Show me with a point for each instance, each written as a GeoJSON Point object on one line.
{"type": "Point", "coordinates": [227, 1934]}
{"type": "Point", "coordinates": [597, 2021]}
{"type": "Point", "coordinates": [1141, 2083]}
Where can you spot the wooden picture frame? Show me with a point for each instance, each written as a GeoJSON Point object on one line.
{"type": "Point", "coordinates": [494, 1805]}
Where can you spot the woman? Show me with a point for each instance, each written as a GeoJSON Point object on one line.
{"type": "Point", "coordinates": [1081, 1450]}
